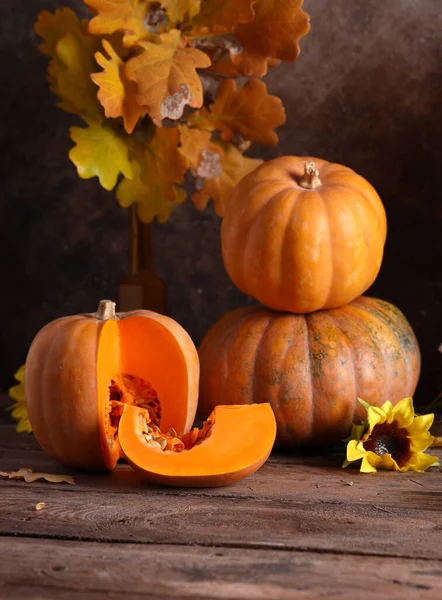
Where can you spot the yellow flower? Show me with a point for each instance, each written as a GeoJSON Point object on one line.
{"type": "Point", "coordinates": [18, 410]}
{"type": "Point", "coordinates": [394, 438]}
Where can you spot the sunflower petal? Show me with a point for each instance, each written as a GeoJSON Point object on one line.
{"type": "Point", "coordinates": [385, 461]}
{"type": "Point", "coordinates": [17, 393]}
{"type": "Point", "coordinates": [420, 462]}
{"type": "Point", "coordinates": [420, 425]}
{"type": "Point", "coordinates": [354, 452]}
{"type": "Point", "coordinates": [419, 443]}
{"type": "Point", "coordinates": [19, 375]}
{"type": "Point", "coordinates": [403, 412]}
{"type": "Point", "coordinates": [387, 408]}
{"type": "Point", "coordinates": [375, 416]}
{"type": "Point", "coordinates": [366, 467]}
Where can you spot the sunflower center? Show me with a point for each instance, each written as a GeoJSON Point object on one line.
{"type": "Point", "coordinates": [389, 438]}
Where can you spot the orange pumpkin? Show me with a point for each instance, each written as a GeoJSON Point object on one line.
{"type": "Point", "coordinates": [104, 385]}
{"type": "Point", "coordinates": [311, 368]}
{"type": "Point", "coordinates": [302, 234]}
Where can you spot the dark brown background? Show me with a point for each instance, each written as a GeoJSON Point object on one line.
{"type": "Point", "coordinates": [366, 92]}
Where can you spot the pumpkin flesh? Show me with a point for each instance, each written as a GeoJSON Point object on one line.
{"type": "Point", "coordinates": [234, 442]}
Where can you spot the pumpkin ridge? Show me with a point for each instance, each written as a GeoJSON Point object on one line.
{"type": "Point", "coordinates": [252, 242]}
{"type": "Point", "coordinates": [287, 264]}
{"type": "Point", "coordinates": [331, 242]}
{"type": "Point", "coordinates": [44, 405]}
{"type": "Point", "coordinates": [226, 344]}
{"type": "Point", "coordinates": [65, 336]}
{"type": "Point", "coordinates": [361, 224]}
{"type": "Point", "coordinates": [224, 358]}
{"type": "Point", "coordinates": [381, 346]}
{"type": "Point", "coordinates": [308, 351]}
{"type": "Point", "coordinates": [283, 360]}
{"type": "Point", "coordinates": [344, 336]}
{"type": "Point", "coordinates": [389, 315]}
{"type": "Point", "coordinates": [377, 207]}
{"type": "Point", "coordinates": [256, 354]}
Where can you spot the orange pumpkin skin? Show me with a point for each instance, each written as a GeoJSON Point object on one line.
{"type": "Point", "coordinates": [69, 368]}
{"type": "Point", "coordinates": [311, 368]}
{"type": "Point", "coordinates": [299, 239]}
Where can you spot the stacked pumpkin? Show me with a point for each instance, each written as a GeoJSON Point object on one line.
{"type": "Point", "coordinates": [305, 238]}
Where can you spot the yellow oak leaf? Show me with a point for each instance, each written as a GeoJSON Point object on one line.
{"type": "Point", "coordinates": [179, 11]}
{"type": "Point", "coordinates": [158, 168]}
{"type": "Point", "coordinates": [249, 111]}
{"type": "Point", "coordinates": [69, 75]}
{"type": "Point", "coordinates": [233, 166]}
{"type": "Point", "coordinates": [52, 27]}
{"type": "Point", "coordinates": [222, 16]}
{"type": "Point", "coordinates": [166, 76]}
{"type": "Point", "coordinates": [274, 33]}
{"type": "Point", "coordinates": [100, 152]}
{"type": "Point", "coordinates": [117, 93]}
{"type": "Point", "coordinates": [120, 15]}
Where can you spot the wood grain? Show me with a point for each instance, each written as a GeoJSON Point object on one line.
{"type": "Point", "coordinates": [59, 569]}
{"type": "Point", "coordinates": [292, 503]}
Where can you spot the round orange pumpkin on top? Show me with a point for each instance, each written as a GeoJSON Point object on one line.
{"type": "Point", "coordinates": [303, 234]}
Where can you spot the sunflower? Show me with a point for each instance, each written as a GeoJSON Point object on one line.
{"type": "Point", "coordinates": [18, 410]}
{"type": "Point", "coordinates": [393, 438]}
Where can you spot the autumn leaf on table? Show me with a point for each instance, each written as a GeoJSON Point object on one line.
{"type": "Point", "coordinates": [100, 152]}
{"type": "Point", "coordinates": [127, 16]}
{"type": "Point", "coordinates": [274, 33]}
{"type": "Point", "coordinates": [166, 76]}
{"type": "Point", "coordinates": [219, 173]}
{"type": "Point", "coordinates": [52, 27]}
{"type": "Point", "coordinates": [117, 93]}
{"type": "Point", "coordinates": [29, 476]}
{"type": "Point", "coordinates": [158, 168]}
{"type": "Point", "coordinates": [249, 111]}
{"type": "Point", "coordinates": [179, 11]}
{"type": "Point", "coordinates": [223, 15]}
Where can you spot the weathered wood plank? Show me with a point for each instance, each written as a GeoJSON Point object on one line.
{"type": "Point", "coordinates": [318, 525]}
{"type": "Point", "coordinates": [284, 477]}
{"type": "Point", "coordinates": [63, 570]}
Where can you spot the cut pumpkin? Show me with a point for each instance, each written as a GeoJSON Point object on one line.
{"type": "Point", "coordinates": [82, 369]}
{"type": "Point", "coordinates": [104, 385]}
{"type": "Point", "coordinates": [233, 443]}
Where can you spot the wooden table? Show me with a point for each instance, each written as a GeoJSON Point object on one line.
{"type": "Point", "coordinates": [301, 527]}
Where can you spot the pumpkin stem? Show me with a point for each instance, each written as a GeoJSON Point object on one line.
{"type": "Point", "coordinates": [310, 180]}
{"type": "Point", "coordinates": [106, 310]}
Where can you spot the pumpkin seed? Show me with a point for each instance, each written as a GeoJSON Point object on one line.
{"type": "Point", "coordinates": [163, 443]}
{"type": "Point", "coordinates": [155, 444]}
{"type": "Point", "coordinates": [172, 432]}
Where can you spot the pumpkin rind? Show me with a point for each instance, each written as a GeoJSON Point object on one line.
{"type": "Point", "coordinates": [301, 250]}
{"type": "Point", "coordinates": [311, 368]}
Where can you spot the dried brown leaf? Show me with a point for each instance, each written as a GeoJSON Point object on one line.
{"type": "Point", "coordinates": [29, 476]}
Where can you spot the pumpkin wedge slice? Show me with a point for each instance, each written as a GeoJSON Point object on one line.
{"type": "Point", "coordinates": [233, 443]}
